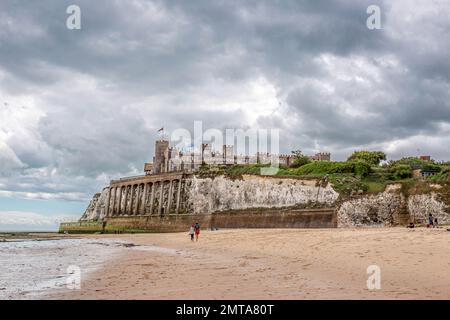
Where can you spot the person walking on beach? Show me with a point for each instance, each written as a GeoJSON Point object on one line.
{"type": "Point", "coordinates": [192, 232]}
{"type": "Point", "coordinates": [430, 220]}
{"type": "Point", "coordinates": [197, 231]}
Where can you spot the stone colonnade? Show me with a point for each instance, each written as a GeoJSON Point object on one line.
{"type": "Point", "coordinates": [146, 195]}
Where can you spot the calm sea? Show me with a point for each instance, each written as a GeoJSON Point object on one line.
{"type": "Point", "coordinates": [29, 269]}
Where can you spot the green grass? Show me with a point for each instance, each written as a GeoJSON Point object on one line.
{"type": "Point", "coordinates": [375, 187]}
{"type": "Point", "coordinates": [324, 167]}
{"type": "Point", "coordinates": [241, 169]}
{"type": "Point", "coordinates": [347, 177]}
{"type": "Point", "coordinates": [440, 177]}
{"type": "Point", "coordinates": [346, 184]}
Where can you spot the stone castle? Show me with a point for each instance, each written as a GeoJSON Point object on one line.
{"type": "Point", "coordinates": [163, 188]}
{"type": "Point", "coordinates": [170, 159]}
{"type": "Point", "coordinates": [170, 196]}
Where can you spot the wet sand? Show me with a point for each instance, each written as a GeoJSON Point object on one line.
{"type": "Point", "coordinates": [33, 265]}
{"type": "Point", "coordinates": [275, 264]}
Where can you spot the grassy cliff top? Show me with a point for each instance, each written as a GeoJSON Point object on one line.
{"type": "Point", "coordinates": [347, 177]}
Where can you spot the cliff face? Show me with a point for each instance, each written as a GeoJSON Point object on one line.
{"type": "Point", "coordinates": [391, 207]}
{"type": "Point", "coordinates": [384, 209]}
{"type": "Point", "coordinates": [96, 208]}
{"type": "Point", "coordinates": [207, 195]}
{"type": "Point", "coordinates": [421, 205]}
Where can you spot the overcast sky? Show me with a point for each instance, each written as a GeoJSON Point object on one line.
{"type": "Point", "coordinates": [79, 107]}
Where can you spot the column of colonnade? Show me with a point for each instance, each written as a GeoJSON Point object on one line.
{"type": "Point", "coordinates": [151, 198]}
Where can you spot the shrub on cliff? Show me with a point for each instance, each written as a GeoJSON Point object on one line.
{"type": "Point", "coordinates": [401, 171]}
{"type": "Point", "coordinates": [299, 159]}
{"type": "Point", "coordinates": [324, 167]}
{"type": "Point", "coordinates": [441, 177]}
{"type": "Point", "coordinates": [429, 166]}
{"type": "Point", "coordinates": [416, 163]}
{"type": "Point", "coordinates": [413, 162]}
{"type": "Point", "coordinates": [361, 168]}
{"type": "Point", "coordinates": [371, 157]}
{"type": "Point", "coordinates": [238, 170]}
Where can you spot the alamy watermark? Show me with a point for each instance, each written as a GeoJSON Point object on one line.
{"type": "Point", "coordinates": [229, 146]}
{"type": "Point", "coordinates": [73, 21]}
{"type": "Point", "coordinates": [373, 22]}
{"type": "Point", "coordinates": [73, 280]}
{"type": "Point", "coordinates": [374, 280]}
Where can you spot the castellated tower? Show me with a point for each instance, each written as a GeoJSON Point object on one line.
{"type": "Point", "coordinates": [228, 154]}
{"type": "Point", "coordinates": [322, 156]}
{"type": "Point", "coordinates": [206, 153]}
{"type": "Point", "coordinates": [159, 160]}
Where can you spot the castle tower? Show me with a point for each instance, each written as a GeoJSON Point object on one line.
{"type": "Point", "coordinates": [159, 160]}
{"type": "Point", "coordinates": [206, 153]}
{"type": "Point", "coordinates": [321, 156]}
{"type": "Point", "coordinates": [228, 154]}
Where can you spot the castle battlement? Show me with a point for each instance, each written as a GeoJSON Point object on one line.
{"type": "Point", "coordinates": [170, 159]}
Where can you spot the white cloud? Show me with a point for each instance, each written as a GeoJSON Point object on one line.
{"type": "Point", "coordinates": [69, 196]}
{"type": "Point", "coordinates": [8, 160]}
{"type": "Point", "coordinates": [83, 107]}
{"type": "Point", "coordinates": [30, 221]}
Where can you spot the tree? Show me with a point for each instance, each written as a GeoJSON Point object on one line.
{"type": "Point", "coordinates": [361, 168]}
{"type": "Point", "coordinates": [371, 157]}
{"type": "Point", "coordinates": [401, 171]}
{"type": "Point", "coordinates": [412, 162]}
{"type": "Point", "coordinates": [300, 159]}
{"type": "Point", "coordinates": [416, 163]}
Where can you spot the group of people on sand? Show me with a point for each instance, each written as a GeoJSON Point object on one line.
{"type": "Point", "coordinates": [432, 222]}
{"type": "Point", "coordinates": [194, 230]}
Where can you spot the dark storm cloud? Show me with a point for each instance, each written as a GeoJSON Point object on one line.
{"type": "Point", "coordinates": [94, 98]}
{"type": "Point", "coordinates": [130, 42]}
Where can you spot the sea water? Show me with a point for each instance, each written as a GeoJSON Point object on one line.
{"type": "Point", "coordinates": [29, 269]}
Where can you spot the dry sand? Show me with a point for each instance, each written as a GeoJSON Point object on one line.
{"type": "Point", "coordinates": [276, 264]}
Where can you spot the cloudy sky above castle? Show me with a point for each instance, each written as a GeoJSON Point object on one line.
{"type": "Point", "coordinates": [79, 107]}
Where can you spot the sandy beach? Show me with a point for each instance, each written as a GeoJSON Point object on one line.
{"type": "Point", "coordinates": [274, 264]}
